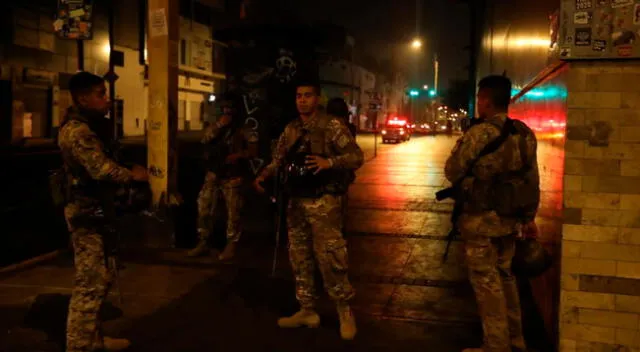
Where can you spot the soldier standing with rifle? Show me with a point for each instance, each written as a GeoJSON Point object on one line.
{"type": "Point", "coordinates": [495, 175]}
{"type": "Point", "coordinates": [314, 210]}
{"type": "Point", "coordinates": [227, 145]}
{"type": "Point", "coordinates": [91, 174]}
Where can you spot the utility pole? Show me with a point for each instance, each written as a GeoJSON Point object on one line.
{"type": "Point", "coordinates": [162, 155]}
{"type": "Point", "coordinates": [436, 69]}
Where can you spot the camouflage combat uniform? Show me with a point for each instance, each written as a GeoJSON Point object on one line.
{"type": "Point", "coordinates": [229, 184]}
{"type": "Point", "coordinates": [315, 224]}
{"type": "Point", "coordinates": [86, 162]}
{"type": "Point", "coordinates": [490, 239]}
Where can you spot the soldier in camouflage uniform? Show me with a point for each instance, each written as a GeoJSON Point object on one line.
{"type": "Point", "coordinates": [314, 224]}
{"type": "Point", "coordinates": [229, 146]}
{"type": "Point", "coordinates": [90, 172]}
{"type": "Point", "coordinates": [489, 239]}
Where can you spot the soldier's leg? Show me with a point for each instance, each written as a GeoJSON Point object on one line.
{"type": "Point", "coordinates": [89, 292]}
{"type": "Point", "coordinates": [330, 249]}
{"type": "Point", "coordinates": [482, 259]}
{"type": "Point", "coordinates": [233, 198]}
{"type": "Point", "coordinates": [301, 254]}
{"type": "Point", "coordinates": [303, 265]}
{"type": "Point", "coordinates": [206, 204]}
{"type": "Point", "coordinates": [506, 251]}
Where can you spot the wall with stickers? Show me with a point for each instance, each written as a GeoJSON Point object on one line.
{"type": "Point", "coordinates": [599, 29]}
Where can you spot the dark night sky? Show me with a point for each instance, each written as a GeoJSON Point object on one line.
{"type": "Point", "coordinates": [383, 26]}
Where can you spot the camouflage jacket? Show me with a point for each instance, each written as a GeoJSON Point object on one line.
{"type": "Point", "coordinates": [88, 166]}
{"type": "Point", "coordinates": [338, 145]}
{"type": "Point", "coordinates": [234, 141]}
{"type": "Point", "coordinates": [477, 217]}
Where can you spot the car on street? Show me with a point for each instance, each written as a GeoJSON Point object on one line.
{"type": "Point", "coordinates": [425, 129]}
{"type": "Point", "coordinates": [396, 130]}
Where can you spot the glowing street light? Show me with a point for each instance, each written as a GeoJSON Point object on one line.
{"type": "Point", "coordinates": [416, 44]}
{"type": "Point", "coordinates": [425, 87]}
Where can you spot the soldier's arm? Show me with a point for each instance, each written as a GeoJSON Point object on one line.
{"type": "Point", "coordinates": [350, 156]}
{"type": "Point", "coordinates": [211, 132]}
{"type": "Point", "coordinates": [88, 151]}
{"type": "Point", "coordinates": [279, 154]}
{"type": "Point", "coordinates": [466, 151]}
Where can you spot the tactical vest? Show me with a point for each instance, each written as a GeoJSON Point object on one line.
{"type": "Point", "coordinates": [331, 181]}
{"type": "Point", "coordinates": [81, 187]}
{"type": "Point", "coordinates": [513, 191]}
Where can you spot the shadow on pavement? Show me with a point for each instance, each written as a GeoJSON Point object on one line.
{"type": "Point", "coordinates": [238, 312]}
{"type": "Point", "coordinates": [46, 316]}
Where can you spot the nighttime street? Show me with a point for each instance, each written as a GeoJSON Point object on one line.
{"type": "Point", "coordinates": [406, 299]}
{"type": "Point", "coordinates": [252, 175]}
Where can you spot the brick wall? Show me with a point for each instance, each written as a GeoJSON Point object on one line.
{"type": "Point", "coordinates": [600, 289]}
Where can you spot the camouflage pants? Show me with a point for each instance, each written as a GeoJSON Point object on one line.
{"type": "Point", "coordinates": [315, 236]}
{"type": "Point", "coordinates": [91, 286]}
{"type": "Point", "coordinates": [489, 260]}
{"type": "Point", "coordinates": [208, 203]}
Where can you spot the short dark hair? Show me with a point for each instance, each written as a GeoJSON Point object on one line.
{"type": "Point", "coordinates": [338, 107]}
{"type": "Point", "coordinates": [307, 82]}
{"type": "Point", "coordinates": [82, 83]}
{"type": "Point", "coordinates": [500, 88]}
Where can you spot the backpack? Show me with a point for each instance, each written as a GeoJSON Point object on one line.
{"type": "Point", "coordinates": [516, 194]}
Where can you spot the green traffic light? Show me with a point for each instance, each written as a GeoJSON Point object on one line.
{"type": "Point", "coordinates": [432, 93]}
{"type": "Point", "coordinates": [414, 93]}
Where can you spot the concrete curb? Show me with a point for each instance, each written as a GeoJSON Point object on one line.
{"type": "Point", "coordinates": [29, 263]}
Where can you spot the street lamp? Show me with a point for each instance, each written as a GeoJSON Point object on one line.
{"type": "Point", "coordinates": [416, 44]}
{"type": "Point", "coordinates": [425, 87]}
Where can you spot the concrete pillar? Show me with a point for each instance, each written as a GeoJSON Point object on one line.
{"type": "Point", "coordinates": [600, 294]}
{"type": "Point", "coordinates": [163, 37]}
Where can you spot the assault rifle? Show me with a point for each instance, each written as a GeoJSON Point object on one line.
{"type": "Point", "coordinates": [455, 214]}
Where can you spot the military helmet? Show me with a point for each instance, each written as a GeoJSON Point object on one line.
{"type": "Point", "coordinates": [531, 258]}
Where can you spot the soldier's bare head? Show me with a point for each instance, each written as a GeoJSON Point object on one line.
{"type": "Point", "coordinates": [89, 92]}
{"type": "Point", "coordinates": [494, 96]}
{"type": "Point", "coordinates": [307, 98]}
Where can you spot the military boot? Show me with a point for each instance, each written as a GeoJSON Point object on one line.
{"type": "Point", "coordinates": [111, 344]}
{"type": "Point", "coordinates": [201, 249]}
{"type": "Point", "coordinates": [229, 252]}
{"type": "Point", "coordinates": [305, 317]}
{"type": "Point", "coordinates": [347, 322]}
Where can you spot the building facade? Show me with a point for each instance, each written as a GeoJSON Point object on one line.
{"type": "Point", "coordinates": [36, 66]}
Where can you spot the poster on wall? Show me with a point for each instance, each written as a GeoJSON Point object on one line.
{"type": "Point", "coordinates": [74, 19]}
{"type": "Point", "coordinates": [599, 29]}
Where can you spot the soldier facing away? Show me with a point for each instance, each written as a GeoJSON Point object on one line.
{"type": "Point", "coordinates": [91, 172]}
{"type": "Point", "coordinates": [228, 145]}
{"type": "Point", "coordinates": [494, 187]}
{"type": "Point", "coordinates": [314, 215]}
